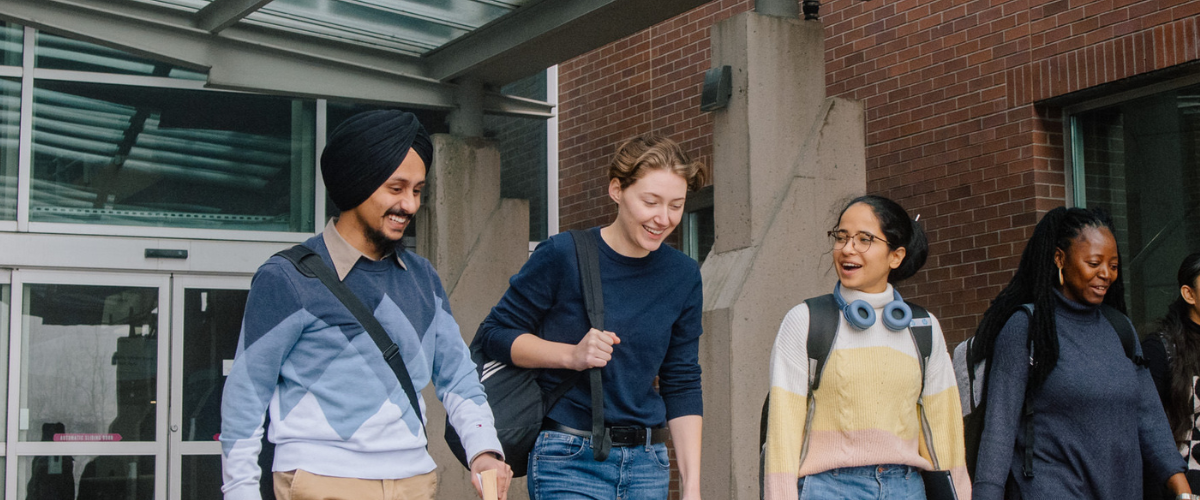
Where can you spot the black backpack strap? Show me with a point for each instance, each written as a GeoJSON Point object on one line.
{"type": "Point", "coordinates": [1125, 331]}
{"type": "Point", "coordinates": [310, 264]}
{"type": "Point", "coordinates": [822, 330]}
{"type": "Point", "coordinates": [587, 252]}
{"type": "Point", "coordinates": [1027, 409]}
{"type": "Point", "coordinates": [921, 329]}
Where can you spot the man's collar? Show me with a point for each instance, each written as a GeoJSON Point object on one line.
{"type": "Point", "coordinates": [343, 254]}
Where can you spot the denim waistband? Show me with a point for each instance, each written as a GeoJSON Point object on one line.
{"type": "Point", "coordinates": [875, 470]}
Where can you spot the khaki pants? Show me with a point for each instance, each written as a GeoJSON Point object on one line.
{"type": "Point", "coordinates": [302, 485]}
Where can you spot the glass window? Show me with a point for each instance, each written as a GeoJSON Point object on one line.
{"type": "Point", "coordinates": [522, 143]}
{"type": "Point", "coordinates": [10, 124]}
{"type": "Point", "coordinates": [89, 363]}
{"type": "Point", "coordinates": [698, 228]}
{"type": "Point", "coordinates": [212, 320]}
{"type": "Point", "coordinates": [201, 477]}
{"type": "Point", "coordinates": [111, 154]}
{"type": "Point", "coordinates": [12, 38]}
{"type": "Point", "coordinates": [57, 52]}
{"type": "Point", "coordinates": [64, 476]}
{"type": "Point", "coordinates": [1141, 160]}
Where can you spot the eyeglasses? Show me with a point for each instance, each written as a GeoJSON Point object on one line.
{"type": "Point", "coordinates": [862, 239]}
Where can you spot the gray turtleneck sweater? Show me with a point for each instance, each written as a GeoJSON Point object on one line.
{"type": "Point", "coordinates": [1098, 425]}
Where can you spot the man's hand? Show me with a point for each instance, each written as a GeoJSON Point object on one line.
{"type": "Point", "coordinates": [489, 461]}
{"type": "Point", "coordinates": [594, 351]}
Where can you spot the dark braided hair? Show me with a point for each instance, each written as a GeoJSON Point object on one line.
{"type": "Point", "coordinates": [1035, 281]}
{"type": "Point", "coordinates": [1186, 361]}
{"type": "Point", "coordinates": [900, 230]}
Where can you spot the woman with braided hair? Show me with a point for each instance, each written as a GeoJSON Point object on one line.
{"type": "Point", "coordinates": [1061, 385]}
{"type": "Point", "coordinates": [1173, 353]}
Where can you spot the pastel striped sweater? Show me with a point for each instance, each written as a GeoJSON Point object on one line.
{"type": "Point", "coordinates": [866, 410]}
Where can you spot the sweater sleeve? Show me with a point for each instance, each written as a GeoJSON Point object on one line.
{"type": "Point", "coordinates": [943, 412]}
{"type": "Point", "coordinates": [1161, 458]}
{"type": "Point", "coordinates": [1009, 374]}
{"type": "Point", "coordinates": [679, 375]}
{"type": "Point", "coordinates": [788, 408]}
{"type": "Point", "coordinates": [531, 293]}
{"type": "Point", "coordinates": [272, 324]}
{"type": "Point", "coordinates": [457, 383]}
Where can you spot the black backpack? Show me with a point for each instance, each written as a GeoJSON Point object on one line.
{"type": "Point", "coordinates": [973, 395]}
{"type": "Point", "coordinates": [823, 317]}
{"type": "Point", "coordinates": [518, 404]}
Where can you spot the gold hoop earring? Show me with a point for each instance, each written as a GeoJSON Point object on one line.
{"type": "Point", "coordinates": [1060, 278]}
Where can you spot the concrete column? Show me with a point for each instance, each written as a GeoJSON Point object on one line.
{"type": "Point", "coordinates": [476, 241]}
{"type": "Point", "coordinates": [778, 85]}
{"type": "Point", "coordinates": [785, 158]}
{"type": "Point", "coordinates": [467, 119]}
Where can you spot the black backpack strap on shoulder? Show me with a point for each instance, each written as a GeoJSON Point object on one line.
{"type": "Point", "coordinates": [1125, 331]}
{"type": "Point", "coordinates": [1027, 409]}
{"type": "Point", "coordinates": [310, 264]}
{"type": "Point", "coordinates": [587, 252]}
{"type": "Point", "coordinates": [921, 331]}
{"type": "Point", "coordinates": [822, 330]}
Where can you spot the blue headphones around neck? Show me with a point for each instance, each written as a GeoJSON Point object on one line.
{"type": "Point", "coordinates": [896, 314]}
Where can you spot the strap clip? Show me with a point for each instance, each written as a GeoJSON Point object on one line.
{"type": "Point", "coordinates": [391, 352]}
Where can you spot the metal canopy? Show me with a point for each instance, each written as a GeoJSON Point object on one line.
{"type": "Point", "coordinates": [410, 52]}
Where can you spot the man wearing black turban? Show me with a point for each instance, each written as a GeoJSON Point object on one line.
{"type": "Point", "coordinates": [341, 421]}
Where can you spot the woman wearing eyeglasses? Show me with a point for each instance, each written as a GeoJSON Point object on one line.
{"type": "Point", "coordinates": [860, 434]}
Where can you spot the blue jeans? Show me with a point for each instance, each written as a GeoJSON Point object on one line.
{"type": "Point", "coordinates": [561, 466]}
{"type": "Point", "coordinates": [871, 482]}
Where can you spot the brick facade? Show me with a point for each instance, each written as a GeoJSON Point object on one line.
{"type": "Point", "coordinates": [963, 103]}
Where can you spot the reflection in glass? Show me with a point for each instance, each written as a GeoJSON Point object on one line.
{"type": "Point", "coordinates": [89, 363]}
{"type": "Point", "coordinates": [108, 154]}
{"type": "Point", "coordinates": [699, 233]}
{"type": "Point", "coordinates": [1141, 161]}
{"type": "Point", "coordinates": [10, 124]}
{"type": "Point", "coordinates": [128, 477]}
{"type": "Point", "coordinates": [56, 52]}
{"type": "Point", "coordinates": [212, 320]}
{"type": "Point", "coordinates": [12, 37]}
{"type": "Point", "coordinates": [522, 144]}
{"type": "Point", "coordinates": [201, 477]}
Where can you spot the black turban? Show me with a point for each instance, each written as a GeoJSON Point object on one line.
{"type": "Point", "coordinates": [363, 152]}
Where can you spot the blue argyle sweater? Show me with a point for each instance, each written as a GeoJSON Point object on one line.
{"type": "Point", "coordinates": [336, 407]}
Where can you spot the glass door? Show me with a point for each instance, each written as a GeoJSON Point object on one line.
{"type": "Point", "coordinates": [206, 318]}
{"type": "Point", "coordinates": [87, 380]}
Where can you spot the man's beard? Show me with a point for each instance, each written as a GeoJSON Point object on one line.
{"type": "Point", "coordinates": [382, 242]}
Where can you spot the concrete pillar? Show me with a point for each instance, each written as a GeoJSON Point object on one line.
{"type": "Point", "coordinates": [785, 158]}
{"type": "Point", "coordinates": [778, 85]}
{"type": "Point", "coordinates": [467, 119]}
{"type": "Point", "coordinates": [476, 241]}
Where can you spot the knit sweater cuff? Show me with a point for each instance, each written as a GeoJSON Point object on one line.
{"type": "Point", "coordinates": [499, 344]}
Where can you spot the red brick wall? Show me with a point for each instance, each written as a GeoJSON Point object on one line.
{"type": "Point", "coordinates": [953, 131]}
{"type": "Point", "coordinates": [951, 88]}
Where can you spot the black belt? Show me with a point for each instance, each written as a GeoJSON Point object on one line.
{"type": "Point", "coordinates": [621, 436]}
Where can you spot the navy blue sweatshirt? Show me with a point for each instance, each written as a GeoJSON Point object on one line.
{"type": "Point", "coordinates": [1097, 419]}
{"type": "Point", "coordinates": [653, 304]}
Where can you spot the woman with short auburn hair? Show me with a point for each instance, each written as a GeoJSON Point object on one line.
{"type": "Point", "coordinates": [652, 308]}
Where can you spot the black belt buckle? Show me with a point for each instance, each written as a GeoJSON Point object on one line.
{"type": "Point", "coordinates": [630, 436]}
